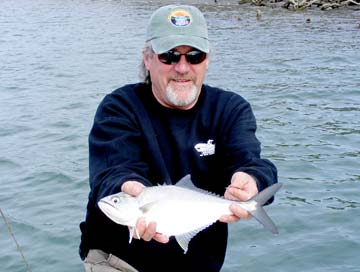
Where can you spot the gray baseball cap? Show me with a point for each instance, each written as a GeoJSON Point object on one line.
{"type": "Point", "coordinates": [173, 25]}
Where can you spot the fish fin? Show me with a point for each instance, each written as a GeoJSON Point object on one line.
{"type": "Point", "coordinates": [259, 212]}
{"type": "Point", "coordinates": [184, 239]}
{"type": "Point", "coordinates": [131, 234]}
{"type": "Point", "coordinates": [133, 230]}
{"type": "Point", "coordinates": [262, 197]}
{"type": "Point", "coordinates": [261, 216]}
{"type": "Point", "coordinates": [187, 183]}
{"type": "Point", "coordinates": [146, 207]}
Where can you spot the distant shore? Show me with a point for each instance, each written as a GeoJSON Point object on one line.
{"type": "Point", "coordinates": [304, 4]}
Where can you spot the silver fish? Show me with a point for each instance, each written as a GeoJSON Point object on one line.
{"type": "Point", "coordinates": [181, 210]}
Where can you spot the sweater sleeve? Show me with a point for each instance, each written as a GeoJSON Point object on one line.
{"type": "Point", "coordinates": [115, 148]}
{"type": "Point", "coordinates": [242, 148]}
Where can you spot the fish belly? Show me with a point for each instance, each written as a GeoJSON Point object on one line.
{"type": "Point", "coordinates": [174, 218]}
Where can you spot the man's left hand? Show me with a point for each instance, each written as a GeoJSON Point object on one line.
{"type": "Point", "coordinates": [242, 188]}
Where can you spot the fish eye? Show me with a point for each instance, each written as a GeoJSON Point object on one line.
{"type": "Point", "coordinates": [115, 200]}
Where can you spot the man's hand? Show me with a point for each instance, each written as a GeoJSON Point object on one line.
{"type": "Point", "coordinates": [144, 232]}
{"type": "Point", "coordinates": [242, 188]}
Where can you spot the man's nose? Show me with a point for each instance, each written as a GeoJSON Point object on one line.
{"type": "Point", "coordinates": [182, 67]}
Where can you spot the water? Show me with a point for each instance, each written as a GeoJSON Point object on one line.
{"type": "Point", "coordinates": [59, 58]}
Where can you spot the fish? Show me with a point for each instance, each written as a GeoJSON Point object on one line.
{"type": "Point", "coordinates": [181, 210]}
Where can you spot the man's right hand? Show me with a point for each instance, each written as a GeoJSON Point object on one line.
{"type": "Point", "coordinates": [143, 231]}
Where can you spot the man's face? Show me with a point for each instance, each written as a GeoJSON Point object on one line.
{"type": "Point", "coordinates": [178, 85]}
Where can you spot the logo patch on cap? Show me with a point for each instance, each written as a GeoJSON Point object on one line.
{"type": "Point", "coordinates": [180, 17]}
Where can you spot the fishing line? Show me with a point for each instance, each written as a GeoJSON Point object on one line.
{"type": "Point", "coordinates": [13, 236]}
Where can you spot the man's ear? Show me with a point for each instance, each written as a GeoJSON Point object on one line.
{"type": "Point", "coordinates": [208, 58]}
{"type": "Point", "coordinates": [146, 59]}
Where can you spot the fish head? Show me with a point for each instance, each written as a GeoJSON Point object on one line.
{"type": "Point", "coordinates": [121, 208]}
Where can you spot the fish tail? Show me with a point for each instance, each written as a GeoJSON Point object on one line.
{"type": "Point", "coordinates": [261, 216]}
{"type": "Point", "coordinates": [259, 213]}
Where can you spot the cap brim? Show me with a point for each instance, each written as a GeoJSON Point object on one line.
{"type": "Point", "coordinates": [163, 44]}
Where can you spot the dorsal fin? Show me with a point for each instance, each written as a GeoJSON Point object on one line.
{"type": "Point", "coordinates": [187, 183]}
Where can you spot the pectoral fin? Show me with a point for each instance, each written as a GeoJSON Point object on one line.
{"type": "Point", "coordinates": [147, 207]}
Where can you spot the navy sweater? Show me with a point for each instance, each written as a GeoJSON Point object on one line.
{"type": "Point", "coordinates": [135, 138]}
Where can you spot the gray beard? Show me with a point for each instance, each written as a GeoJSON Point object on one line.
{"type": "Point", "coordinates": [174, 98]}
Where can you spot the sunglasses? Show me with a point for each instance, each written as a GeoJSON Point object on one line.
{"type": "Point", "coordinates": [173, 57]}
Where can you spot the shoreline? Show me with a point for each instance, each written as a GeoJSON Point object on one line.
{"type": "Point", "coordinates": [299, 5]}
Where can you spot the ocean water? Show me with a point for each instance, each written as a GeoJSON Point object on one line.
{"type": "Point", "coordinates": [59, 58]}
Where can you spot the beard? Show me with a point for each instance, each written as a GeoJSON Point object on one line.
{"type": "Point", "coordinates": [181, 96]}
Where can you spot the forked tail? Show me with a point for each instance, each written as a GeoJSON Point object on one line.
{"type": "Point", "coordinates": [259, 213]}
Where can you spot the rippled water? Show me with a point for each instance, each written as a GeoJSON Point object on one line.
{"type": "Point", "coordinates": [59, 58]}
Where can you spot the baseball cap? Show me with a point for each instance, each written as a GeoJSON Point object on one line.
{"type": "Point", "coordinates": [174, 25]}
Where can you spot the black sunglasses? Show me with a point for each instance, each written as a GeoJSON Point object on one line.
{"type": "Point", "coordinates": [173, 57]}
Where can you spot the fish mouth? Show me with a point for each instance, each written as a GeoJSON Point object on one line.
{"type": "Point", "coordinates": [120, 216]}
{"type": "Point", "coordinates": [105, 207]}
{"type": "Point", "coordinates": [110, 211]}
{"type": "Point", "coordinates": [104, 204]}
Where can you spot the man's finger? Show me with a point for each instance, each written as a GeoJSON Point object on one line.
{"type": "Point", "coordinates": [140, 228]}
{"type": "Point", "coordinates": [239, 212]}
{"type": "Point", "coordinates": [236, 194]}
{"type": "Point", "coordinates": [228, 218]}
{"type": "Point", "coordinates": [150, 232]}
{"type": "Point", "coordinates": [161, 238]}
{"type": "Point", "coordinates": [133, 188]}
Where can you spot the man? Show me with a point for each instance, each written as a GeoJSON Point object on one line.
{"type": "Point", "coordinates": [161, 130]}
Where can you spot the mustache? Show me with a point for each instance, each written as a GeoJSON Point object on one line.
{"type": "Point", "coordinates": [183, 78]}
